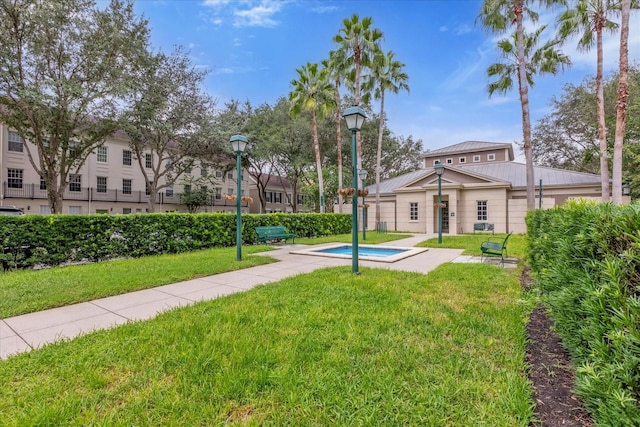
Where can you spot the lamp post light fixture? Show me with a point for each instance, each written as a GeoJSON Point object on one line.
{"type": "Point", "coordinates": [238, 144]}
{"type": "Point", "coordinates": [439, 169]}
{"type": "Point", "coordinates": [355, 117]}
{"type": "Point", "coordinates": [363, 176]}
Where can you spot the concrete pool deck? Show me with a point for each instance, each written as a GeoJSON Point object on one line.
{"type": "Point", "coordinates": [25, 332]}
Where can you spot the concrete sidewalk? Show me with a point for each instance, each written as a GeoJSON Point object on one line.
{"type": "Point", "coordinates": [23, 333]}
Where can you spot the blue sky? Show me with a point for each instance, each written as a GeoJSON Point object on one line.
{"type": "Point", "coordinates": [253, 48]}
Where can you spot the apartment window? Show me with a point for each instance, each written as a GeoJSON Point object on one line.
{"type": "Point", "coordinates": [147, 188]}
{"type": "Point", "coordinates": [218, 174]}
{"type": "Point", "coordinates": [14, 178]}
{"type": "Point", "coordinates": [481, 210]}
{"type": "Point", "coordinates": [413, 211]}
{"type": "Point", "coordinates": [75, 210]}
{"type": "Point", "coordinates": [229, 175]}
{"type": "Point", "coordinates": [126, 210]}
{"type": "Point", "coordinates": [462, 160]}
{"type": "Point", "coordinates": [268, 196]}
{"type": "Point", "coordinates": [435, 162]}
{"type": "Point", "coordinates": [147, 161]}
{"type": "Point", "coordinates": [43, 184]}
{"type": "Point", "coordinates": [126, 186]}
{"type": "Point", "coordinates": [476, 159]}
{"type": "Point", "coordinates": [449, 161]}
{"type": "Point", "coordinates": [75, 182]}
{"type": "Point", "coordinates": [277, 197]}
{"type": "Point", "coordinates": [45, 210]}
{"type": "Point", "coordinates": [218, 193]}
{"type": "Point", "coordinates": [15, 142]}
{"type": "Point", "coordinates": [187, 188]}
{"type": "Point", "coordinates": [300, 199]}
{"type": "Point", "coordinates": [491, 157]}
{"type": "Point", "coordinates": [101, 184]}
{"type": "Point", "coordinates": [203, 171]}
{"type": "Point", "coordinates": [126, 157]}
{"type": "Point", "coordinates": [169, 192]}
{"type": "Point", "coordinates": [102, 154]}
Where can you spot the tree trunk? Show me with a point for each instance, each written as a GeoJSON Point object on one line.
{"type": "Point", "coordinates": [379, 154]}
{"type": "Point", "coordinates": [151, 202]}
{"type": "Point", "coordinates": [316, 149]}
{"type": "Point", "coordinates": [602, 129]}
{"type": "Point", "coordinates": [526, 116]}
{"type": "Point", "coordinates": [339, 144]}
{"type": "Point", "coordinates": [623, 100]}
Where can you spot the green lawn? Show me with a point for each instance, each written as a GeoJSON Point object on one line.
{"type": "Point", "coordinates": [27, 291]}
{"type": "Point", "coordinates": [325, 348]}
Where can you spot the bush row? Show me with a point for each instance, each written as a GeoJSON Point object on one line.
{"type": "Point", "coordinates": [55, 239]}
{"type": "Point", "coordinates": [586, 259]}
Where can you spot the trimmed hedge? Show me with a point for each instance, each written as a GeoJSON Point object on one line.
{"type": "Point", "coordinates": [55, 239]}
{"type": "Point", "coordinates": [586, 259]}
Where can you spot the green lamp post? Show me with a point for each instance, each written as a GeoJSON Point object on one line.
{"type": "Point", "coordinates": [355, 117]}
{"type": "Point", "coordinates": [238, 144]}
{"type": "Point", "coordinates": [439, 169]}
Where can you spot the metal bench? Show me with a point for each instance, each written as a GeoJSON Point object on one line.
{"type": "Point", "coordinates": [490, 248]}
{"type": "Point", "coordinates": [273, 232]}
{"type": "Point", "coordinates": [483, 226]}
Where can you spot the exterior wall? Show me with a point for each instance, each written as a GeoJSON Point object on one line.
{"type": "Point", "coordinates": [33, 200]}
{"type": "Point", "coordinates": [404, 223]}
{"type": "Point", "coordinates": [499, 155]}
{"type": "Point", "coordinates": [496, 199]}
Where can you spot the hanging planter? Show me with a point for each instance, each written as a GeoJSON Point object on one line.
{"type": "Point", "coordinates": [363, 193]}
{"type": "Point", "coordinates": [229, 196]}
{"type": "Point", "coordinates": [347, 192]}
{"type": "Point", "coordinates": [247, 199]}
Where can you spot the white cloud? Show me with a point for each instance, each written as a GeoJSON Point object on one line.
{"type": "Point", "coordinates": [258, 16]}
{"type": "Point", "coordinates": [444, 28]}
{"type": "Point", "coordinates": [463, 29]}
{"type": "Point", "coordinates": [324, 9]}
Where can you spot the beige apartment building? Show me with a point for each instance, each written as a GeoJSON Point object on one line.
{"type": "Point", "coordinates": [109, 182]}
{"type": "Point", "coordinates": [481, 183]}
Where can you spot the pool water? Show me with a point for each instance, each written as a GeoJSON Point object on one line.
{"type": "Point", "coordinates": [363, 251]}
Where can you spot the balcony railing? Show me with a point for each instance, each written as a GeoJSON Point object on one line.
{"type": "Point", "coordinates": [91, 194]}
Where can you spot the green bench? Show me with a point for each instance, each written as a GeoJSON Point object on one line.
{"type": "Point", "coordinates": [483, 226]}
{"type": "Point", "coordinates": [490, 248]}
{"type": "Point", "coordinates": [274, 232]}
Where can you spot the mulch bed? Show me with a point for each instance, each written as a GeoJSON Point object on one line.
{"type": "Point", "coordinates": [551, 373]}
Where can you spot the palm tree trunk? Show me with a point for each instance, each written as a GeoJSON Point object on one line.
{"type": "Point", "coordinates": [602, 130]}
{"type": "Point", "coordinates": [316, 149]}
{"type": "Point", "coordinates": [524, 100]}
{"type": "Point", "coordinates": [339, 144]}
{"type": "Point", "coordinates": [379, 154]}
{"type": "Point", "coordinates": [623, 100]}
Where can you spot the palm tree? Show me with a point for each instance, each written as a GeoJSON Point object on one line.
{"type": "Point", "coordinates": [337, 65]}
{"type": "Point", "coordinates": [358, 42]}
{"type": "Point", "coordinates": [623, 100]}
{"type": "Point", "coordinates": [498, 16]}
{"type": "Point", "coordinates": [590, 18]}
{"type": "Point", "coordinates": [313, 92]}
{"type": "Point", "coordinates": [386, 74]}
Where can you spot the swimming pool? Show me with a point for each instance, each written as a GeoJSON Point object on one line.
{"type": "Point", "coordinates": [365, 252]}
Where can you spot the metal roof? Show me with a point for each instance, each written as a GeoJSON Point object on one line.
{"type": "Point", "coordinates": [516, 174]}
{"type": "Point", "coordinates": [510, 172]}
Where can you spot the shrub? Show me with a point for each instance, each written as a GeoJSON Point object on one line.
{"type": "Point", "coordinates": [586, 259]}
{"type": "Point", "coordinates": [55, 239]}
